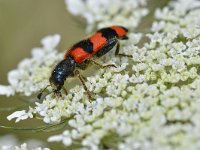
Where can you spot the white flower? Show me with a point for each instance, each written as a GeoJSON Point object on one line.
{"type": "Point", "coordinates": [6, 90]}
{"type": "Point", "coordinates": [24, 147]}
{"type": "Point", "coordinates": [10, 142]}
{"type": "Point", "coordinates": [185, 5]}
{"type": "Point", "coordinates": [105, 13]}
{"type": "Point", "coordinates": [65, 138]}
{"type": "Point", "coordinates": [21, 115]}
{"type": "Point", "coordinates": [50, 42]}
{"type": "Point", "coordinates": [36, 69]}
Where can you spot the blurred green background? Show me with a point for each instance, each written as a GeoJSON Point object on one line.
{"type": "Point", "coordinates": [22, 25]}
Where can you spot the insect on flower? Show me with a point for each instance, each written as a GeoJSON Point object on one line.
{"type": "Point", "coordinates": [83, 53]}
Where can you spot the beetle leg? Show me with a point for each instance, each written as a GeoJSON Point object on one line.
{"type": "Point", "coordinates": [81, 78]}
{"type": "Point", "coordinates": [84, 78]}
{"type": "Point", "coordinates": [117, 51]}
{"type": "Point", "coordinates": [65, 90]}
{"type": "Point", "coordinates": [83, 65]}
{"type": "Point", "coordinates": [102, 66]}
{"type": "Point", "coordinates": [57, 93]}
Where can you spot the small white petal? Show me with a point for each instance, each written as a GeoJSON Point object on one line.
{"type": "Point", "coordinates": [67, 141]}
{"type": "Point", "coordinates": [50, 42]}
{"type": "Point", "coordinates": [16, 114]}
{"type": "Point", "coordinates": [6, 90]}
{"type": "Point", "coordinates": [73, 5]}
{"type": "Point", "coordinates": [6, 147]}
{"type": "Point", "coordinates": [55, 138]}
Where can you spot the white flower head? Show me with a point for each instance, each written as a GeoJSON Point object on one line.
{"type": "Point", "coordinates": [36, 69]}
{"type": "Point", "coordinates": [10, 142]}
{"type": "Point", "coordinates": [106, 13]}
{"type": "Point", "coordinates": [21, 115]}
{"type": "Point", "coordinates": [65, 138]}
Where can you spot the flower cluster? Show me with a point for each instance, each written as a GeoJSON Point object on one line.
{"type": "Point", "coordinates": [150, 101]}
{"type": "Point", "coordinates": [21, 147]}
{"type": "Point", "coordinates": [103, 13]}
{"type": "Point", "coordinates": [9, 142]}
{"type": "Point", "coordinates": [35, 69]}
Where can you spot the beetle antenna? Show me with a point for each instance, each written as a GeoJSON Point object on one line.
{"type": "Point", "coordinates": [40, 94]}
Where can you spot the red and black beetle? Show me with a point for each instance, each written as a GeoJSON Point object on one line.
{"type": "Point", "coordinates": [83, 52]}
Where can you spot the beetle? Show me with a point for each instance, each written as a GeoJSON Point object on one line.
{"type": "Point", "coordinates": [83, 53]}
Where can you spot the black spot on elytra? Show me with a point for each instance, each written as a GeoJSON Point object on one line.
{"type": "Point", "coordinates": [108, 33]}
{"type": "Point", "coordinates": [86, 45]}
